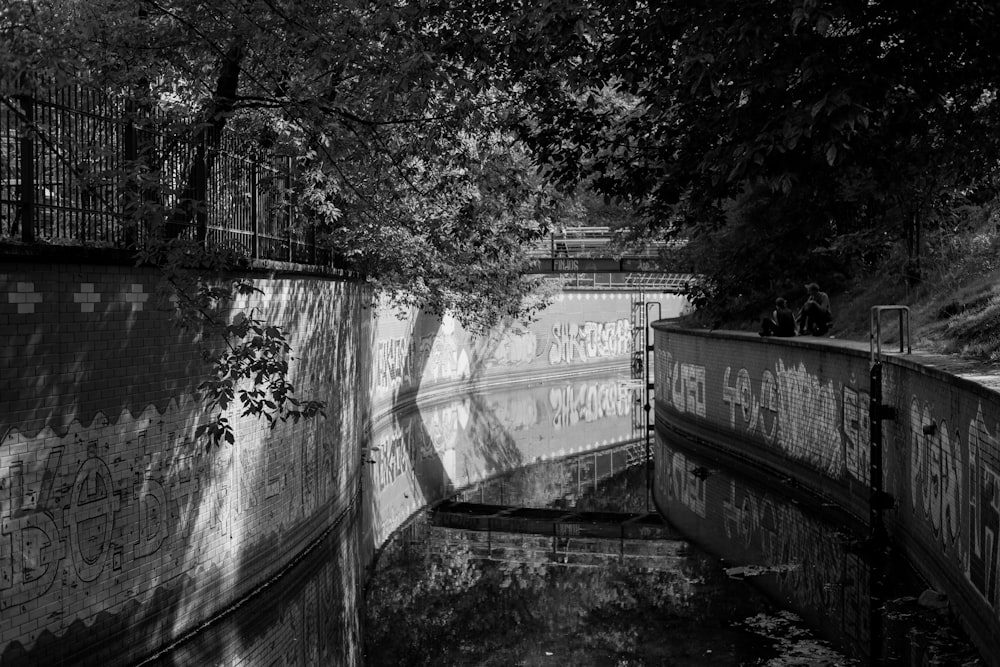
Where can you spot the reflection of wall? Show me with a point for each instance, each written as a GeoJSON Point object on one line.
{"type": "Point", "coordinates": [795, 557]}
{"type": "Point", "coordinates": [802, 408]}
{"type": "Point", "coordinates": [114, 522]}
{"type": "Point", "coordinates": [427, 452]}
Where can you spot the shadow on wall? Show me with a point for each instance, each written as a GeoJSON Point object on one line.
{"type": "Point", "coordinates": [119, 532]}
{"type": "Point", "coordinates": [95, 341]}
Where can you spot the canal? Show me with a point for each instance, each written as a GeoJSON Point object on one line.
{"type": "Point", "coordinates": [738, 574]}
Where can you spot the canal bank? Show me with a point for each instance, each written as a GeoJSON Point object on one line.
{"type": "Point", "coordinates": [798, 410]}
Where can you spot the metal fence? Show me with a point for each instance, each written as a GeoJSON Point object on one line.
{"type": "Point", "coordinates": [81, 167]}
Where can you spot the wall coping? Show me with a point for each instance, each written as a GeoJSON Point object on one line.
{"type": "Point", "coordinates": [42, 253]}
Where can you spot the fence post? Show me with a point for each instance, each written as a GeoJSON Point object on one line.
{"type": "Point", "coordinates": [254, 204]}
{"type": "Point", "coordinates": [133, 189]}
{"type": "Point", "coordinates": [27, 184]}
{"type": "Point", "coordinates": [288, 222]}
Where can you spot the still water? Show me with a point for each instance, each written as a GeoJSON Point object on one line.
{"type": "Point", "coordinates": [744, 577]}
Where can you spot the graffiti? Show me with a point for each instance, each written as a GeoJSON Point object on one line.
{"type": "Point", "coordinates": [935, 483]}
{"type": "Point", "coordinates": [590, 402]}
{"type": "Point", "coordinates": [684, 386]}
{"type": "Point", "coordinates": [794, 410]}
{"type": "Point", "coordinates": [807, 414]}
{"type": "Point", "coordinates": [984, 509]}
{"type": "Point", "coordinates": [857, 432]}
{"type": "Point", "coordinates": [398, 361]}
{"type": "Point", "coordinates": [514, 348]}
{"type": "Point", "coordinates": [125, 502]}
{"type": "Point", "coordinates": [590, 340]}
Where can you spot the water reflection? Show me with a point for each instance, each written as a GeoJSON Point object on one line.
{"type": "Point", "coordinates": [812, 562]}
{"type": "Point", "coordinates": [427, 450]}
{"type": "Point", "coordinates": [442, 596]}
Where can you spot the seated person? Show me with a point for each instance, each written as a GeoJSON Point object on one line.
{"type": "Point", "coordinates": [815, 317]}
{"type": "Point", "coordinates": [781, 322]}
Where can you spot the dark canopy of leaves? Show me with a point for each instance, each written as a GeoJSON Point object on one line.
{"type": "Point", "coordinates": [799, 137]}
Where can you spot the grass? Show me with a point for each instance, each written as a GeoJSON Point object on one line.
{"type": "Point", "coordinates": [956, 307]}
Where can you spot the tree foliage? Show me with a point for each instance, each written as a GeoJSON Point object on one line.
{"type": "Point", "coordinates": [805, 124]}
{"type": "Point", "coordinates": [402, 156]}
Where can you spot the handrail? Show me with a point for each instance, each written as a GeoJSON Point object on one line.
{"type": "Point", "coordinates": [875, 329]}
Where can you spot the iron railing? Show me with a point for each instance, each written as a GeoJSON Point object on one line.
{"type": "Point", "coordinates": [79, 166]}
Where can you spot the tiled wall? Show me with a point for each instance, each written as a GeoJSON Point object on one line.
{"type": "Point", "coordinates": [118, 531]}
{"type": "Point", "coordinates": [801, 409]}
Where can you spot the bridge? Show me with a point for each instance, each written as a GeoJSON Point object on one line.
{"type": "Point", "coordinates": [560, 537]}
{"type": "Point", "coordinates": [590, 257]}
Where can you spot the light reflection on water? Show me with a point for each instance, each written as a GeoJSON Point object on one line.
{"type": "Point", "coordinates": [438, 597]}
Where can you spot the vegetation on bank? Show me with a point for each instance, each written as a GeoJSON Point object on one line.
{"type": "Point", "coordinates": [954, 309]}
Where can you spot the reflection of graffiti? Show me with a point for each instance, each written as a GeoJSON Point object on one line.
{"type": "Point", "coordinates": [515, 412]}
{"type": "Point", "coordinates": [590, 340]}
{"type": "Point", "coordinates": [809, 552]}
{"type": "Point", "coordinates": [431, 434]}
{"type": "Point", "coordinates": [984, 510]}
{"type": "Point", "coordinates": [935, 484]}
{"type": "Point", "coordinates": [856, 432]}
{"type": "Point", "coordinates": [688, 489]}
{"type": "Point", "coordinates": [575, 403]}
{"type": "Point", "coordinates": [683, 386]}
{"type": "Point", "coordinates": [794, 409]}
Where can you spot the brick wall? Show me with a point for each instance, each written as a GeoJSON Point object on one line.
{"type": "Point", "coordinates": [798, 409]}
{"type": "Point", "coordinates": [118, 532]}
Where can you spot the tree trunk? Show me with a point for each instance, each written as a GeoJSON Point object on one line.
{"type": "Point", "coordinates": [192, 209]}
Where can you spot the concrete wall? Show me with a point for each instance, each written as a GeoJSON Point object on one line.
{"type": "Point", "coordinates": [119, 533]}
{"type": "Point", "coordinates": [798, 409]}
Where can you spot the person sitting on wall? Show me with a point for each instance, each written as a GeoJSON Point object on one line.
{"type": "Point", "coordinates": [815, 317]}
{"type": "Point", "coordinates": [781, 321]}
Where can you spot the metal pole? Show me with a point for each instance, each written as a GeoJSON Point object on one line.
{"type": "Point", "coordinates": [28, 171]}
{"type": "Point", "coordinates": [877, 534]}
{"type": "Point", "coordinates": [647, 388]}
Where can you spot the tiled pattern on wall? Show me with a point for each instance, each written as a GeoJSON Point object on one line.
{"type": "Point", "coordinates": [110, 512]}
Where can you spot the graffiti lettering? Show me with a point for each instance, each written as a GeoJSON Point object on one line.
{"type": "Point", "coordinates": [984, 509]}
{"type": "Point", "coordinates": [514, 348]}
{"type": "Point", "coordinates": [856, 432]}
{"type": "Point", "coordinates": [684, 387]}
{"type": "Point", "coordinates": [796, 411]}
{"type": "Point", "coordinates": [935, 485]}
{"type": "Point", "coordinates": [398, 361]}
{"type": "Point", "coordinates": [590, 340]}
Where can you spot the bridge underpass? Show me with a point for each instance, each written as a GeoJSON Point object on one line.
{"type": "Point", "coordinates": [590, 258]}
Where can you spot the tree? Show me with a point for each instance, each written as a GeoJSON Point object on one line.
{"type": "Point", "coordinates": [401, 156]}
{"type": "Point", "coordinates": [839, 121]}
